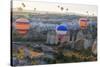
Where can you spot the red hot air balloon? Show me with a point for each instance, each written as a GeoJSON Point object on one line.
{"type": "Point", "coordinates": [22, 26]}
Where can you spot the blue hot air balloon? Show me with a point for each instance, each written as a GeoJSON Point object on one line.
{"type": "Point", "coordinates": [61, 29]}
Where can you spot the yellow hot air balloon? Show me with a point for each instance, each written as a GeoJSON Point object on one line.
{"type": "Point", "coordinates": [83, 22]}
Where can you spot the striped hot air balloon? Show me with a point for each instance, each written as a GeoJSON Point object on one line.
{"type": "Point", "coordinates": [22, 25]}
{"type": "Point", "coordinates": [83, 22]}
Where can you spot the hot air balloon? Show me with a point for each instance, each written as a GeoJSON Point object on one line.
{"type": "Point", "coordinates": [34, 9]}
{"type": "Point", "coordinates": [67, 9]}
{"type": "Point", "coordinates": [22, 25]}
{"type": "Point", "coordinates": [87, 12]}
{"type": "Point", "coordinates": [58, 6]}
{"type": "Point", "coordinates": [83, 22]}
{"type": "Point", "coordinates": [61, 31]}
{"type": "Point", "coordinates": [23, 5]}
{"type": "Point", "coordinates": [62, 8]}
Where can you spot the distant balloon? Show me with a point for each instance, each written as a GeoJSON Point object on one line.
{"type": "Point", "coordinates": [23, 5]}
{"type": "Point", "coordinates": [62, 8]}
{"type": "Point", "coordinates": [58, 6]}
{"type": "Point", "coordinates": [83, 23]}
{"type": "Point", "coordinates": [86, 11]}
{"type": "Point", "coordinates": [34, 9]}
{"type": "Point", "coordinates": [22, 25]}
{"type": "Point", "coordinates": [67, 9]}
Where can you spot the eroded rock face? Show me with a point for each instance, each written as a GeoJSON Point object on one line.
{"type": "Point", "coordinates": [94, 48]}
{"type": "Point", "coordinates": [80, 35]}
{"type": "Point", "coordinates": [79, 44]}
{"type": "Point", "coordinates": [87, 43]}
{"type": "Point", "coordinates": [83, 41]}
{"type": "Point", "coordinates": [51, 38]}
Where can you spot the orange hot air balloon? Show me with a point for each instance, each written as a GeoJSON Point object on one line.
{"type": "Point", "coordinates": [83, 22]}
{"type": "Point", "coordinates": [22, 25]}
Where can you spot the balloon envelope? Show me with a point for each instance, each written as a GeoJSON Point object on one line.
{"type": "Point", "coordinates": [61, 29]}
{"type": "Point", "coordinates": [83, 23]}
{"type": "Point", "coordinates": [22, 25]}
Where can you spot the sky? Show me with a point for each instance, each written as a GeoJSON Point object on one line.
{"type": "Point", "coordinates": [53, 7]}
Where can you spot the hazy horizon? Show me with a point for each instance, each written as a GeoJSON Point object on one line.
{"type": "Point", "coordinates": [53, 7]}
